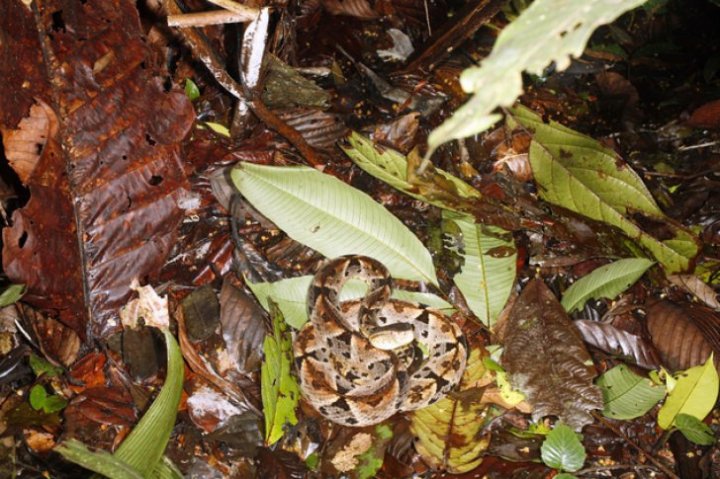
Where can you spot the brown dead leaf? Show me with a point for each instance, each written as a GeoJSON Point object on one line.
{"type": "Point", "coordinates": [103, 208]}
{"type": "Point", "coordinates": [546, 360]}
{"type": "Point", "coordinates": [684, 334]}
{"type": "Point", "coordinates": [618, 342]}
{"type": "Point", "coordinates": [695, 286]}
{"type": "Point", "coordinates": [706, 116]}
{"type": "Point", "coordinates": [24, 144]}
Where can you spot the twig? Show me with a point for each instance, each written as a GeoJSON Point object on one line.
{"type": "Point", "coordinates": [236, 7]}
{"type": "Point", "coordinates": [635, 445]}
{"type": "Point", "coordinates": [213, 17]}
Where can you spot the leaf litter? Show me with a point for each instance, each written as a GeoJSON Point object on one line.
{"type": "Point", "coordinates": [135, 162]}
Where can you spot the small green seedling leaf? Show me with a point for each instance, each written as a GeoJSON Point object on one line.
{"type": "Point", "coordinates": [191, 90]}
{"type": "Point", "coordinates": [605, 282]}
{"type": "Point", "coordinates": [11, 295]}
{"type": "Point", "coordinates": [627, 395]}
{"type": "Point", "coordinates": [370, 461]}
{"type": "Point", "coordinates": [695, 430]}
{"type": "Point", "coordinates": [41, 366]}
{"type": "Point", "coordinates": [279, 390]}
{"type": "Point", "coordinates": [218, 128]}
{"type": "Point", "coordinates": [562, 449]}
{"type": "Point", "coordinates": [54, 403]}
{"type": "Point", "coordinates": [695, 393]}
{"type": "Point", "coordinates": [38, 396]}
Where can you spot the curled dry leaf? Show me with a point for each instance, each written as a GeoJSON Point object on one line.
{"type": "Point", "coordinates": [243, 327]}
{"type": "Point", "coordinates": [104, 209]}
{"type": "Point", "coordinates": [618, 342]}
{"type": "Point", "coordinates": [546, 360]}
{"type": "Point", "coordinates": [24, 144]}
{"type": "Point", "coordinates": [695, 286]}
{"type": "Point", "coordinates": [354, 8]}
{"type": "Point", "coordinates": [684, 334]}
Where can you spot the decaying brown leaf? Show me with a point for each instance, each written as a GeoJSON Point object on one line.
{"type": "Point", "coordinates": [618, 342]}
{"type": "Point", "coordinates": [547, 360]}
{"type": "Point", "coordinates": [695, 286]}
{"type": "Point", "coordinates": [684, 334]}
{"type": "Point", "coordinates": [105, 194]}
{"type": "Point", "coordinates": [243, 327]}
{"type": "Point", "coordinates": [24, 144]}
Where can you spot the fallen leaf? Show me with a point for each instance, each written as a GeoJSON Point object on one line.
{"type": "Point", "coordinates": [547, 361]}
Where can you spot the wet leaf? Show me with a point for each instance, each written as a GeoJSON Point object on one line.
{"type": "Point", "coordinates": [548, 31]}
{"type": "Point", "coordinates": [291, 297]}
{"type": "Point", "coordinates": [280, 391]}
{"type": "Point", "coordinates": [317, 209]}
{"type": "Point", "coordinates": [485, 280]}
{"type": "Point", "coordinates": [684, 334]}
{"type": "Point", "coordinates": [562, 449]}
{"type": "Point", "coordinates": [694, 394]}
{"type": "Point", "coordinates": [607, 281]}
{"type": "Point", "coordinates": [11, 294]}
{"type": "Point", "coordinates": [695, 430]}
{"type": "Point", "coordinates": [449, 431]}
{"type": "Point", "coordinates": [576, 172]}
{"type": "Point", "coordinates": [546, 359]}
{"type": "Point", "coordinates": [618, 342]}
{"type": "Point", "coordinates": [105, 210]}
{"type": "Point", "coordinates": [626, 394]}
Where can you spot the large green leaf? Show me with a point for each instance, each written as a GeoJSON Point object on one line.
{"type": "Point", "coordinates": [144, 447]}
{"type": "Point", "coordinates": [577, 173]}
{"type": "Point", "coordinates": [562, 449]}
{"type": "Point", "coordinates": [627, 395]}
{"type": "Point", "coordinates": [605, 282]}
{"type": "Point", "coordinates": [694, 394]}
{"type": "Point", "coordinates": [279, 390]}
{"type": "Point", "coordinates": [548, 31]}
{"type": "Point", "coordinates": [488, 274]}
{"type": "Point", "coordinates": [392, 168]}
{"type": "Point", "coordinates": [290, 295]}
{"type": "Point", "coordinates": [333, 218]}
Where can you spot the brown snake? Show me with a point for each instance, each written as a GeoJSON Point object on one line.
{"type": "Point", "coordinates": [362, 361]}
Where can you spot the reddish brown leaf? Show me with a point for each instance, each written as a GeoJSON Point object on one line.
{"type": "Point", "coordinates": [706, 116]}
{"type": "Point", "coordinates": [56, 340]}
{"type": "Point", "coordinates": [243, 327]}
{"type": "Point", "coordinates": [546, 359]}
{"type": "Point", "coordinates": [104, 206]}
{"type": "Point", "coordinates": [684, 334]}
{"type": "Point", "coordinates": [618, 342]}
{"type": "Point", "coordinates": [319, 128]}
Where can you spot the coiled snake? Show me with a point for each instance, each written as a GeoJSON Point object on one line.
{"type": "Point", "coordinates": [361, 361]}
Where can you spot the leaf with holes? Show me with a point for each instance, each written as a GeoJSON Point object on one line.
{"type": "Point", "coordinates": [626, 394]}
{"type": "Point", "coordinates": [279, 389]}
{"type": "Point", "coordinates": [449, 431]}
{"type": "Point", "coordinates": [108, 191]}
{"type": "Point", "coordinates": [576, 172]}
{"type": "Point", "coordinates": [333, 218]}
{"type": "Point", "coordinates": [547, 31]}
{"type": "Point", "coordinates": [607, 281]}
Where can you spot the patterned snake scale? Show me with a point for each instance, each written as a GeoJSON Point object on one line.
{"type": "Point", "coordinates": [362, 361]}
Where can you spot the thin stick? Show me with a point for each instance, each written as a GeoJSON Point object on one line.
{"type": "Point", "coordinates": [650, 457]}
{"type": "Point", "coordinates": [236, 7]}
{"type": "Point", "coordinates": [213, 17]}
